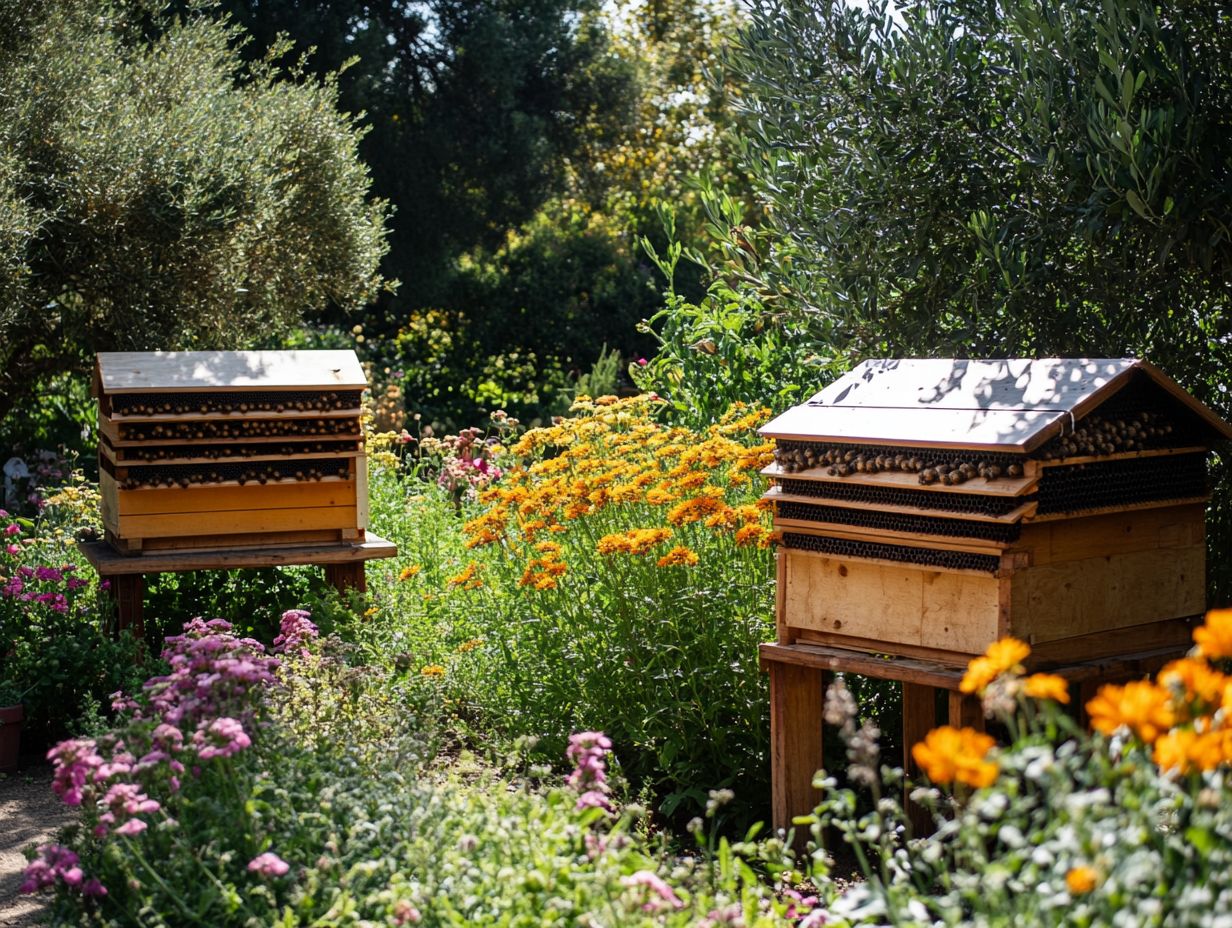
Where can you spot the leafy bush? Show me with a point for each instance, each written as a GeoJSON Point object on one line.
{"type": "Point", "coordinates": [1128, 825]}
{"type": "Point", "coordinates": [243, 790]}
{"type": "Point", "coordinates": [56, 656]}
{"type": "Point", "coordinates": [619, 579]}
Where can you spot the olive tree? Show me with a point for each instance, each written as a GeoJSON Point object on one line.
{"type": "Point", "coordinates": [156, 192]}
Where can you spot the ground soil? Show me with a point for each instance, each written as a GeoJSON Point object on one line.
{"type": "Point", "coordinates": [30, 814]}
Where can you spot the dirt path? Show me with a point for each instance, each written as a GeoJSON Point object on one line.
{"type": "Point", "coordinates": [30, 813]}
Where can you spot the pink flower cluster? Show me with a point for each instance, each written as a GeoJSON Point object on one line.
{"type": "Point", "coordinates": [125, 801]}
{"type": "Point", "coordinates": [588, 751]}
{"type": "Point", "coordinates": [220, 738]}
{"type": "Point", "coordinates": [57, 864]}
{"type": "Point", "coordinates": [657, 894]}
{"type": "Point", "coordinates": [31, 584]}
{"type": "Point", "coordinates": [268, 865]}
{"type": "Point", "coordinates": [296, 632]}
{"type": "Point", "coordinates": [212, 674]}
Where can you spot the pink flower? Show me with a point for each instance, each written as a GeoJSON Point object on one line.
{"type": "Point", "coordinates": [75, 762]}
{"type": "Point", "coordinates": [55, 863]}
{"type": "Point", "coordinates": [654, 883]}
{"type": "Point", "coordinates": [93, 888]}
{"type": "Point", "coordinates": [220, 738]}
{"type": "Point", "coordinates": [642, 362]}
{"type": "Point", "coordinates": [593, 799]}
{"type": "Point", "coordinates": [12, 529]}
{"type": "Point", "coordinates": [268, 864]}
{"type": "Point", "coordinates": [588, 750]}
{"type": "Point", "coordinates": [297, 631]}
{"type": "Point", "coordinates": [13, 549]}
{"type": "Point", "coordinates": [405, 913]}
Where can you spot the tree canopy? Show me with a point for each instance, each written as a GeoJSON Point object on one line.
{"type": "Point", "coordinates": [155, 192]}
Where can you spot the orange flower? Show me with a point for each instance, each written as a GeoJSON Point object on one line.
{"type": "Point", "coordinates": [468, 574]}
{"type": "Point", "coordinates": [1185, 750]}
{"type": "Point", "coordinates": [1000, 657]}
{"type": "Point", "coordinates": [1081, 880]}
{"type": "Point", "coordinates": [750, 535]}
{"type": "Point", "coordinates": [433, 670]}
{"type": "Point", "coordinates": [1046, 686]}
{"type": "Point", "coordinates": [615, 543]}
{"type": "Point", "coordinates": [679, 556]}
{"type": "Point", "coordinates": [470, 645]}
{"type": "Point", "coordinates": [1193, 680]}
{"type": "Point", "coordinates": [1140, 705]}
{"type": "Point", "coordinates": [950, 754]}
{"type": "Point", "coordinates": [408, 572]}
{"type": "Point", "coordinates": [1214, 639]}
{"type": "Point", "coordinates": [693, 510]}
{"type": "Point", "coordinates": [659, 496]}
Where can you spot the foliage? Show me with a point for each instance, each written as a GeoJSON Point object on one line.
{"type": "Point", "coordinates": [728, 347]}
{"type": "Point", "coordinates": [155, 192]}
{"type": "Point", "coordinates": [1062, 827]}
{"type": "Point", "coordinates": [247, 790]}
{"type": "Point", "coordinates": [56, 656]}
{"type": "Point", "coordinates": [616, 576]}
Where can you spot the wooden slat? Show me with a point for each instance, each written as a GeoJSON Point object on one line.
{"type": "Point", "coordinates": [1222, 428]}
{"type": "Point", "coordinates": [1121, 456]}
{"type": "Point", "coordinates": [845, 660]}
{"type": "Point", "coordinates": [115, 457]}
{"type": "Point", "coordinates": [776, 494]}
{"type": "Point", "coordinates": [109, 563]}
{"type": "Point", "coordinates": [237, 522]}
{"type": "Point", "coordinates": [360, 469]}
{"type": "Point", "coordinates": [1128, 507]}
{"type": "Point", "coordinates": [1121, 531]}
{"type": "Point", "coordinates": [889, 536]}
{"type": "Point", "coordinates": [219, 498]}
{"type": "Point", "coordinates": [977, 486]}
{"type": "Point", "coordinates": [231, 416]}
{"type": "Point", "coordinates": [212, 543]}
{"type": "Point", "coordinates": [205, 371]}
{"type": "Point", "coordinates": [891, 603]}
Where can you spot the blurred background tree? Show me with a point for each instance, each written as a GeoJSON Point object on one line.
{"type": "Point", "coordinates": [158, 192]}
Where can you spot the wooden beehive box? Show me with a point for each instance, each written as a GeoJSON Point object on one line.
{"type": "Point", "coordinates": [929, 507]}
{"type": "Point", "coordinates": [221, 449]}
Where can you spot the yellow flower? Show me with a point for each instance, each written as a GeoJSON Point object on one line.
{"type": "Point", "coordinates": [1184, 750]}
{"type": "Point", "coordinates": [1001, 656]}
{"type": "Point", "coordinates": [615, 543]}
{"type": "Point", "coordinates": [470, 645]}
{"type": "Point", "coordinates": [1140, 705]}
{"type": "Point", "coordinates": [659, 496]}
{"type": "Point", "coordinates": [1214, 639]}
{"type": "Point", "coordinates": [468, 574]}
{"type": "Point", "coordinates": [679, 556]}
{"type": "Point", "coordinates": [750, 534]}
{"type": "Point", "coordinates": [692, 510]}
{"type": "Point", "coordinates": [949, 754]}
{"type": "Point", "coordinates": [433, 670]}
{"type": "Point", "coordinates": [370, 612]}
{"type": "Point", "coordinates": [408, 572]}
{"type": "Point", "coordinates": [1081, 880]}
{"type": "Point", "coordinates": [1046, 686]}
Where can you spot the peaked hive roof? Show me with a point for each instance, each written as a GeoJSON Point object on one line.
{"type": "Point", "coordinates": [1012, 404]}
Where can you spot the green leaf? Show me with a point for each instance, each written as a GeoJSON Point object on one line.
{"type": "Point", "coordinates": [1136, 203]}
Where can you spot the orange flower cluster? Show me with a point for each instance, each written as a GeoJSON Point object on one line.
{"type": "Point", "coordinates": [612, 465]}
{"type": "Point", "coordinates": [949, 755]}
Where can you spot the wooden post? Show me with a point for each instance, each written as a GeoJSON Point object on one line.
{"type": "Point", "coordinates": [919, 718]}
{"type": "Point", "coordinates": [128, 591]}
{"type": "Point", "coordinates": [966, 710]}
{"type": "Point", "coordinates": [347, 576]}
{"type": "Point", "coordinates": [795, 742]}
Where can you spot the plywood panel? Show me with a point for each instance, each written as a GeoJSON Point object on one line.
{"type": "Point", "coordinates": [218, 523]}
{"type": "Point", "coordinates": [1071, 598]}
{"type": "Point", "coordinates": [221, 498]}
{"type": "Point", "coordinates": [1113, 533]}
{"type": "Point", "coordinates": [947, 610]}
{"type": "Point", "coordinates": [361, 491]}
{"type": "Point", "coordinates": [182, 371]}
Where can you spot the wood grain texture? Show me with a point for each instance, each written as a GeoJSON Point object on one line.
{"type": "Point", "coordinates": [223, 498]}
{"type": "Point", "coordinates": [1121, 531]}
{"type": "Point", "coordinates": [879, 667]}
{"type": "Point", "coordinates": [1026, 510]}
{"type": "Point", "coordinates": [109, 563]}
{"type": "Point", "coordinates": [1067, 599]}
{"type": "Point", "coordinates": [897, 480]}
{"type": "Point", "coordinates": [236, 522]}
{"type": "Point", "coordinates": [360, 469]}
{"type": "Point", "coordinates": [795, 742]}
{"type": "Point", "coordinates": [988, 430]}
{"type": "Point", "coordinates": [892, 603]}
{"type": "Point", "coordinates": [183, 371]}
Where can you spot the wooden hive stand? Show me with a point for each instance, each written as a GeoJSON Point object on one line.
{"type": "Point", "coordinates": [930, 507]}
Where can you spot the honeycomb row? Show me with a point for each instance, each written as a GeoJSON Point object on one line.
{"type": "Point", "coordinates": [233, 403]}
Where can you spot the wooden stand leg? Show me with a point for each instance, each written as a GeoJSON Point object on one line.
{"type": "Point", "coordinates": [344, 577]}
{"type": "Point", "coordinates": [919, 718]}
{"type": "Point", "coordinates": [966, 710]}
{"type": "Point", "coordinates": [795, 742]}
{"type": "Point", "coordinates": [128, 591]}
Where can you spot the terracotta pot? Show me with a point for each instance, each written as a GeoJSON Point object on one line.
{"type": "Point", "coordinates": [10, 736]}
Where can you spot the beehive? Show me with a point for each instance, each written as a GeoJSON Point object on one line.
{"type": "Point", "coordinates": [929, 507]}
{"type": "Point", "coordinates": [205, 450]}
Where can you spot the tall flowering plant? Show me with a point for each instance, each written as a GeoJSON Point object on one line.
{"type": "Point", "coordinates": [1125, 824]}
{"type": "Point", "coordinates": [618, 574]}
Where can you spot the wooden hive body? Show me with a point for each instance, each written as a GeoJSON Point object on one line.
{"type": "Point", "coordinates": [1089, 538]}
{"type": "Point", "coordinates": [206, 450]}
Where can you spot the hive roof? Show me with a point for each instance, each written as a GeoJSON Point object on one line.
{"type": "Point", "coordinates": [172, 371]}
{"type": "Point", "coordinates": [1011, 404]}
